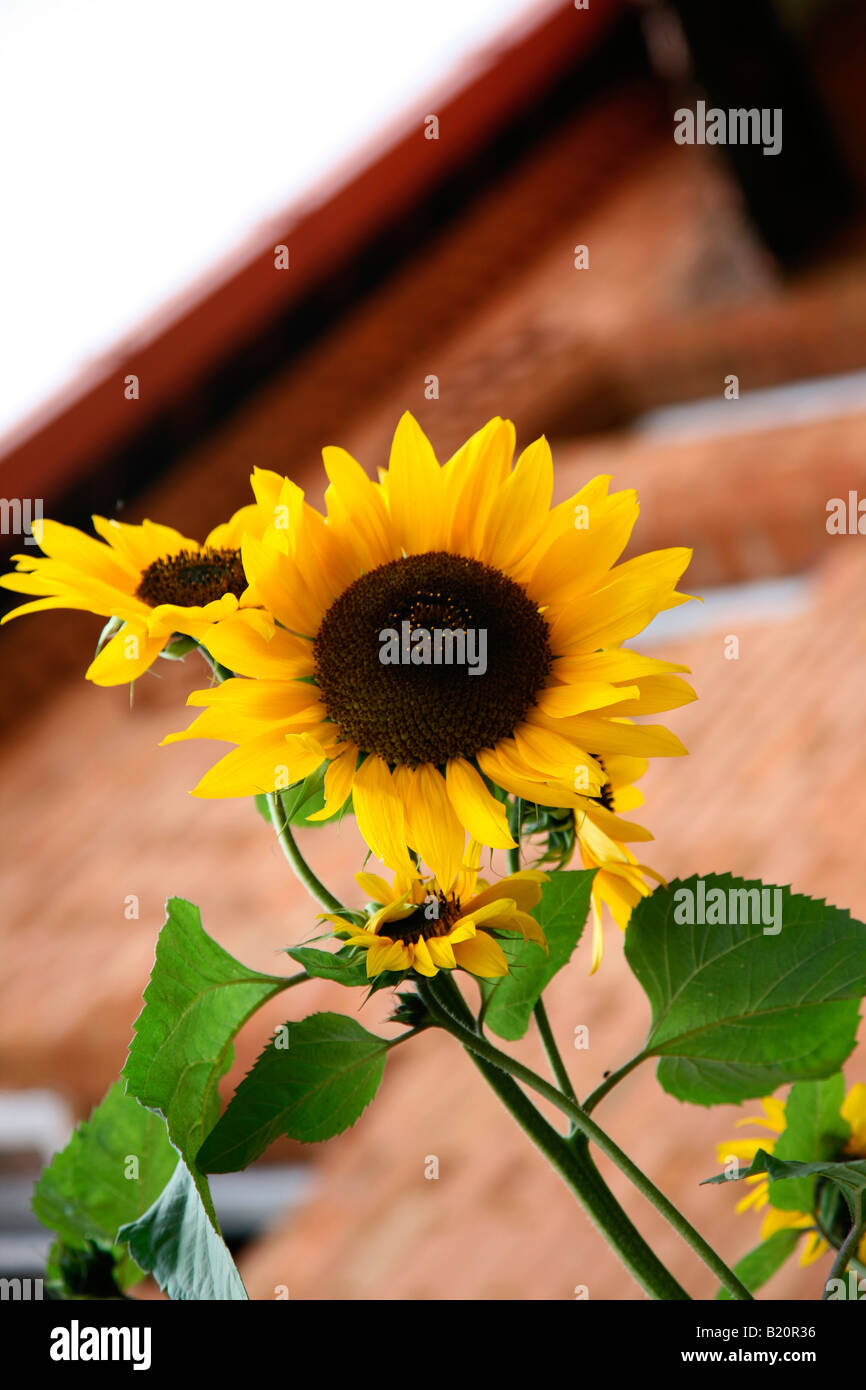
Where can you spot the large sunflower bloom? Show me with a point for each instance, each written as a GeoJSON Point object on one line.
{"type": "Point", "coordinates": [153, 581]}
{"type": "Point", "coordinates": [471, 545]}
{"type": "Point", "coordinates": [853, 1111]}
{"type": "Point", "coordinates": [419, 926]}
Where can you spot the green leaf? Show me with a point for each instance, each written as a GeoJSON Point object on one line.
{"type": "Point", "coordinates": [343, 966]}
{"type": "Point", "coordinates": [814, 1130]}
{"type": "Point", "coordinates": [311, 1087]}
{"type": "Point", "coordinates": [175, 1240]}
{"type": "Point", "coordinates": [92, 1187]}
{"type": "Point", "coordinates": [74, 1273]}
{"type": "Point", "coordinates": [197, 999]}
{"type": "Point", "coordinates": [849, 1177]}
{"type": "Point", "coordinates": [736, 1012]}
{"type": "Point", "coordinates": [562, 913]}
{"type": "Point", "coordinates": [761, 1264]}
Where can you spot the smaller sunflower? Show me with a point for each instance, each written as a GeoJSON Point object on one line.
{"type": "Point", "coordinates": [417, 926]}
{"type": "Point", "coordinates": [774, 1119]}
{"type": "Point", "coordinates": [150, 579]}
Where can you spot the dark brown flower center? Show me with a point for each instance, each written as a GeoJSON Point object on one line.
{"type": "Point", "coordinates": [435, 917]}
{"type": "Point", "coordinates": [192, 579]}
{"type": "Point", "coordinates": [419, 706]}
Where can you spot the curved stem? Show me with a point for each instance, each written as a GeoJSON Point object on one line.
{"type": "Point", "coordinates": [299, 864]}
{"type": "Point", "coordinates": [292, 980]}
{"type": "Point", "coordinates": [554, 1057]}
{"type": "Point", "coordinates": [576, 1169]}
{"type": "Point", "coordinates": [610, 1081]}
{"type": "Point", "coordinates": [587, 1126]}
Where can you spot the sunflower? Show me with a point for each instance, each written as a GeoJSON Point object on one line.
{"type": "Point", "coordinates": [853, 1111]}
{"type": "Point", "coordinates": [420, 926]}
{"type": "Point", "coordinates": [149, 579]}
{"type": "Point", "coordinates": [430, 751]}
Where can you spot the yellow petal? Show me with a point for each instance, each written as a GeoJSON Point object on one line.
{"type": "Point", "coordinates": [283, 587]}
{"type": "Point", "coordinates": [474, 475]}
{"type": "Point", "coordinates": [387, 955]}
{"type": "Point", "coordinates": [261, 765]}
{"type": "Point", "coordinates": [484, 817]}
{"type": "Point", "coordinates": [86, 554]}
{"type": "Point", "coordinates": [560, 701]}
{"type": "Point", "coordinates": [523, 888]}
{"type": "Point", "coordinates": [653, 694]}
{"type": "Point", "coordinates": [422, 960]}
{"type": "Point", "coordinates": [441, 952]}
{"type": "Point", "coordinates": [415, 490]}
{"type": "Point", "coordinates": [357, 511]}
{"type": "Point", "coordinates": [815, 1246]}
{"type": "Point", "coordinates": [125, 657]}
{"type": "Point", "coordinates": [379, 812]}
{"type": "Point", "coordinates": [377, 890]}
{"type": "Point", "coordinates": [579, 558]}
{"type": "Point", "coordinates": [339, 777]}
{"type": "Point", "coordinates": [241, 645]}
{"type": "Point", "coordinates": [437, 834]}
{"type": "Point", "coordinates": [519, 509]}
{"type": "Point", "coordinates": [481, 955]}
{"type": "Point", "coordinates": [137, 546]}
{"type": "Point", "coordinates": [854, 1111]}
{"type": "Point", "coordinates": [635, 592]}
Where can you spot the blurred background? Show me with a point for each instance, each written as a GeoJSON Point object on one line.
{"type": "Point", "coordinates": [708, 347]}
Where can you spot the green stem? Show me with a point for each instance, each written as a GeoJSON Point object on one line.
{"type": "Point", "coordinates": [404, 1037]}
{"type": "Point", "coordinates": [299, 864]}
{"type": "Point", "coordinates": [293, 980]}
{"type": "Point", "coordinates": [587, 1126]}
{"type": "Point", "coordinates": [840, 1264]}
{"type": "Point", "coordinates": [610, 1081]}
{"type": "Point", "coordinates": [576, 1169]}
{"type": "Point", "coordinates": [554, 1057]}
{"type": "Point", "coordinates": [515, 821]}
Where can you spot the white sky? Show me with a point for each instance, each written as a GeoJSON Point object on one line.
{"type": "Point", "coordinates": [140, 140]}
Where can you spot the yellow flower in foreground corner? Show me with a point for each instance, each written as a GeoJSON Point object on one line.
{"type": "Point", "coordinates": [347, 676]}
{"type": "Point", "coordinates": [853, 1110]}
{"type": "Point", "coordinates": [421, 927]}
{"type": "Point", "coordinates": [154, 581]}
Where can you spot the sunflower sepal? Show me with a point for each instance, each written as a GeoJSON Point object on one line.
{"type": "Point", "coordinates": [346, 966]}
{"type": "Point", "coordinates": [112, 627]}
{"type": "Point", "coordinates": [386, 979]}
{"type": "Point", "coordinates": [179, 647]}
{"type": "Point", "coordinates": [411, 1010]}
{"type": "Point", "coordinates": [303, 802]}
{"type": "Point", "coordinates": [555, 827]}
